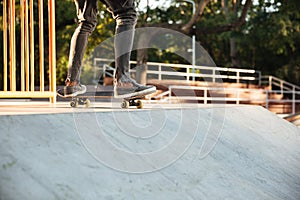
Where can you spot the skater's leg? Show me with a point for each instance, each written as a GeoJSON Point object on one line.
{"type": "Point", "coordinates": [125, 15]}
{"type": "Point", "coordinates": [87, 16]}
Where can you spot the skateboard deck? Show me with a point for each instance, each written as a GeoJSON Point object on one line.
{"type": "Point", "coordinates": [83, 99]}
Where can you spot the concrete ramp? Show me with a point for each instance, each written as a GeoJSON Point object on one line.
{"type": "Point", "coordinates": [241, 152]}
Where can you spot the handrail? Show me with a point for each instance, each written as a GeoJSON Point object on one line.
{"type": "Point", "coordinates": [237, 98]}
{"type": "Point", "coordinates": [271, 80]}
{"type": "Point", "coordinates": [160, 72]}
{"type": "Point", "coordinates": [209, 72]}
{"type": "Point", "coordinates": [284, 85]}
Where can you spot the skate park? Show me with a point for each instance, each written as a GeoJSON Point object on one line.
{"type": "Point", "coordinates": [170, 149]}
{"type": "Point", "coordinates": [213, 139]}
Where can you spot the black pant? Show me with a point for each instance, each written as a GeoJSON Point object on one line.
{"type": "Point", "coordinates": [123, 11]}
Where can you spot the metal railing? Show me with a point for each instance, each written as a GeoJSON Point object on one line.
{"type": "Point", "coordinates": [272, 81]}
{"type": "Point", "coordinates": [19, 67]}
{"type": "Point", "coordinates": [211, 74]}
{"type": "Point", "coordinates": [237, 96]}
{"type": "Point", "coordinates": [162, 71]}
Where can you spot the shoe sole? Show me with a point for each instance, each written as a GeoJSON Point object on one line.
{"type": "Point", "coordinates": [76, 93]}
{"type": "Point", "coordinates": [134, 94]}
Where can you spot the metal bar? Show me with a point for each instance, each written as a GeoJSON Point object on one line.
{"type": "Point", "coordinates": [27, 74]}
{"type": "Point", "coordinates": [188, 74]}
{"type": "Point", "coordinates": [205, 96]}
{"type": "Point", "coordinates": [52, 49]}
{"type": "Point", "coordinates": [270, 82]}
{"type": "Point", "coordinates": [41, 44]}
{"type": "Point", "coordinates": [22, 18]}
{"type": "Point", "coordinates": [5, 46]}
{"type": "Point", "coordinates": [14, 79]}
{"type": "Point", "coordinates": [237, 97]}
{"type": "Point", "coordinates": [19, 94]}
{"type": "Point", "coordinates": [259, 78]}
{"type": "Point", "coordinates": [267, 99]}
{"type": "Point", "coordinates": [31, 19]}
{"type": "Point", "coordinates": [294, 101]}
{"type": "Point", "coordinates": [12, 43]}
{"type": "Point", "coordinates": [104, 71]}
{"type": "Point", "coordinates": [194, 50]}
{"type": "Point", "coordinates": [159, 75]}
{"type": "Point", "coordinates": [212, 99]}
{"type": "Point", "coordinates": [273, 79]}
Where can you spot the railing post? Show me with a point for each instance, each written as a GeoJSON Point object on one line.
{"type": "Point", "coordinates": [5, 46]}
{"type": "Point", "coordinates": [205, 96]}
{"type": "Point", "coordinates": [187, 73]}
{"type": "Point", "coordinates": [27, 57]}
{"type": "Point", "coordinates": [159, 74]}
{"type": "Point", "coordinates": [270, 83]}
{"type": "Point", "coordinates": [104, 71]}
{"type": "Point", "coordinates": [259, 78]}
{"type": "Point", "coordinates": [22, 56]}
{"type": "Point", "coordinates": [95, 69]}
{"type": "Point", "coordinates": [237, 96]}
{"type": "Point", "coordinates": [281, 87]}
{"type": "Point", "coordinates": [267, 99]}
{"type": "Point", "coordinates": [41, 44]}
{"type": "Point", "coordinates": [170, 93]}
{"type": "Point", "coordinates": [31, 19]}
{"type": "Point", "coordinates": [294, 101]}
{"type": "Point", "coordinates": [12, 44]}
{"type": "Point", "coordinates": [52, 48]}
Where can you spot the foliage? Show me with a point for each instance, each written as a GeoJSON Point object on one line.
{"type": "Point", "coordinates": [271, 40]}
{"type": "Point", "coordinates": [66, 23]}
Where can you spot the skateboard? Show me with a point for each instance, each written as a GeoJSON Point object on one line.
{"type": "Point", "coordinates": [83, 99]}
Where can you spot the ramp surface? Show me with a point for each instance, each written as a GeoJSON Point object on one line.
{"type": "Point", "coordinates": [203, 153]}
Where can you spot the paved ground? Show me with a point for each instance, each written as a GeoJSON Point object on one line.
{"type": "Point", "coordinates": [161, 152]}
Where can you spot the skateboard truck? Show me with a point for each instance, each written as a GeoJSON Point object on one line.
{"type": "Point", "coordinates": [132, 102]}
{"type": "Point", "coordinates": [75, 101]}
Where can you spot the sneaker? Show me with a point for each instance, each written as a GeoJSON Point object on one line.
{"type": "Point", "coordinates": [126, 87]}
{"type": "Point", "coordinates": [72, 91]}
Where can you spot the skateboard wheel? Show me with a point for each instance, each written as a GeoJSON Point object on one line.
{"type": "Point", "coordinates": [139, 104]}
{"type": "Point", "coordinates": [125, 104]}
{"type": "Point", "coordinates": [87, 103]}
{"type": "Point", "coordinates": [74, 104]}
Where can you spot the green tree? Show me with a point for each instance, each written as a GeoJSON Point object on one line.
{"type": "Point", "coordinates": [271, 41]}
